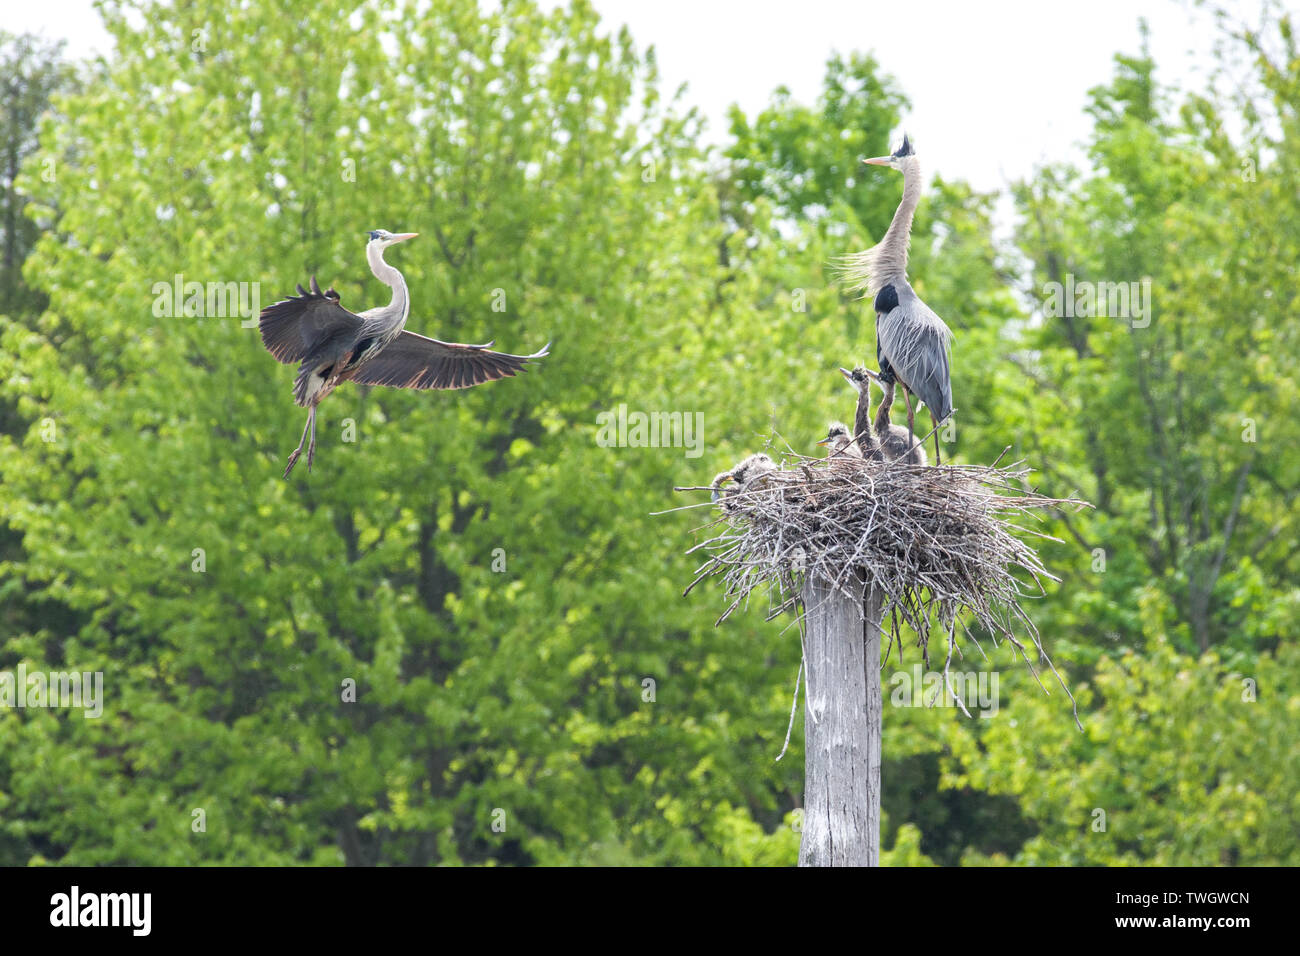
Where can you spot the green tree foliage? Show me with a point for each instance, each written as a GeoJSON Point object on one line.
{"type": "Point", "coordinates": [1184, 762]}
{"type": "Point", "coordinates": [31, 70]}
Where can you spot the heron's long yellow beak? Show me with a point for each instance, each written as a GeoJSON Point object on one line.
{"type": "Point", "coordinates": [825, 441]}
{"type": "Point", "coordinates": [847, 374]}
{"type": "Point", "coordinates": [879, 160]}
{"type": "Point", "coordinates": [403, 236]}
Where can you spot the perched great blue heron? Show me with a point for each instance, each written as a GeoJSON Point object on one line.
{"type": "Point", "coordinates": [879, 438]}
{"type": "Point", "coordinates": [841, 450]}
{"type": "Point", "coordinates": [750, 470]}
{"type": "Point", "coordinates": [911, 341]}
{"type": "Point", "coordinates": [334, 345]}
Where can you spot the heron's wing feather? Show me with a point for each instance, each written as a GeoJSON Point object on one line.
{"type": "Point", "coordinates": [292, 328]}
{"type": "Point", "coordinates": [915, 341]}
{"type": "Point", "coordinates": [414, 361]}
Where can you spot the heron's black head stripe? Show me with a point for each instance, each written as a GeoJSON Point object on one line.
{"type": "Point", "coordinates": [906, 149]}
{"type": "Point", "coordinates": [886, 300]}
{"type": "Point", "coordinates": [374, 234]}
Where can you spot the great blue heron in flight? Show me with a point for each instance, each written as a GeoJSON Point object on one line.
{"type": "Point", "coordinates": [911, 341]}
{"type": "Point", "coordinates": [841, 451]}
{"type": "Point", "coordinates": [750, 470]}
{"type": "Point", "coordinates": [334, 345]}
{"type": "Point", "coordinates": [879, 438]}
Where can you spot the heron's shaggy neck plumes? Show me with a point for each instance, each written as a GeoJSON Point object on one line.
{"type": "Point", "coordinates": [868, 271]}
{"type": "Point", "coordinates": [393, 317]}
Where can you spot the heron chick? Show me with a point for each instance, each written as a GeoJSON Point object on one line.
{"type": "Point", "coordinates": [841, 451]}
{"type": "Point", "coordinates": [753, 468]}
{"type": "Point", "coordinates": [749, 470]}
{"type": "Point", "coordinates": [878, 438]}
{"type": "Point", "coordinates": [334, 345]}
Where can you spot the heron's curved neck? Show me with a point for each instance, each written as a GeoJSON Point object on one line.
{"type": "Point", "coordinates": [862, 423]}
{"type": "Point", "coordinates": [891, 259]}
{"type": "Point", "coordinates": [394, 317]}
{"type": "Point", "coordinates": [886, 404]}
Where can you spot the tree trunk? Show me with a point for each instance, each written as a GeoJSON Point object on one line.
{"type": "Point", "coordinates": [842, 709]}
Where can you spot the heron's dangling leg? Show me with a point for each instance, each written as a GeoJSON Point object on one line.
{"type": "Point", "coordinates": [938, 460]}
{"type": "Point", "coordinates": [311, 446]}
{"type": "Point", "coordinates": [911, 434]}
{"type": "Point", "coordinates": [294, 455]}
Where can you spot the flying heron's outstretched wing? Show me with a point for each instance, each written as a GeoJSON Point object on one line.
{"type": "Point", "coordinates": [294, 327]}
{"type": "Point", "coordinates": [915, 342]}
{"type": "Point", "coordinates": [414, 361]}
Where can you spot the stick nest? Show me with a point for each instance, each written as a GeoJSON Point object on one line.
{"type": "Point", "coordinates": [936, 540]}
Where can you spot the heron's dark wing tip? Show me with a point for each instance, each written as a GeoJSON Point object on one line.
{"type": "Point", "coordinates": [415, 361]}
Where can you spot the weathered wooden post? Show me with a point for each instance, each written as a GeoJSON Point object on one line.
{"type": "Point", "coordinates": [842, 714]}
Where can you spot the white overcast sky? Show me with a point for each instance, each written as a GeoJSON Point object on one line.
{"type": "Point", "coordinates": [997, 86]}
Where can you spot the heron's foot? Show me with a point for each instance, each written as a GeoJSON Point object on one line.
{"type": "Point", "coordinates": [293, 460]}
{"type": "Point", "coordinates": [311, 456]}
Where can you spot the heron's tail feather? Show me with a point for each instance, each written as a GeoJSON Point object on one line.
{"type": "Point", "coordinates": [307, 384]}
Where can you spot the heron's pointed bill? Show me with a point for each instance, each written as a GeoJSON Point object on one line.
{"type": "Point", "coordinates": [403, 236]}
{"type": "Point", "coordinates": [879, 160]}
{"type": "Point", "coordinates": [847, 374]}
{"type": "Point", "coordinates": [825, 441]}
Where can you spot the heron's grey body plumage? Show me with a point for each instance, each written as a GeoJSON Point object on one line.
{"type": "Point", "coordinates": [915, 343]}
